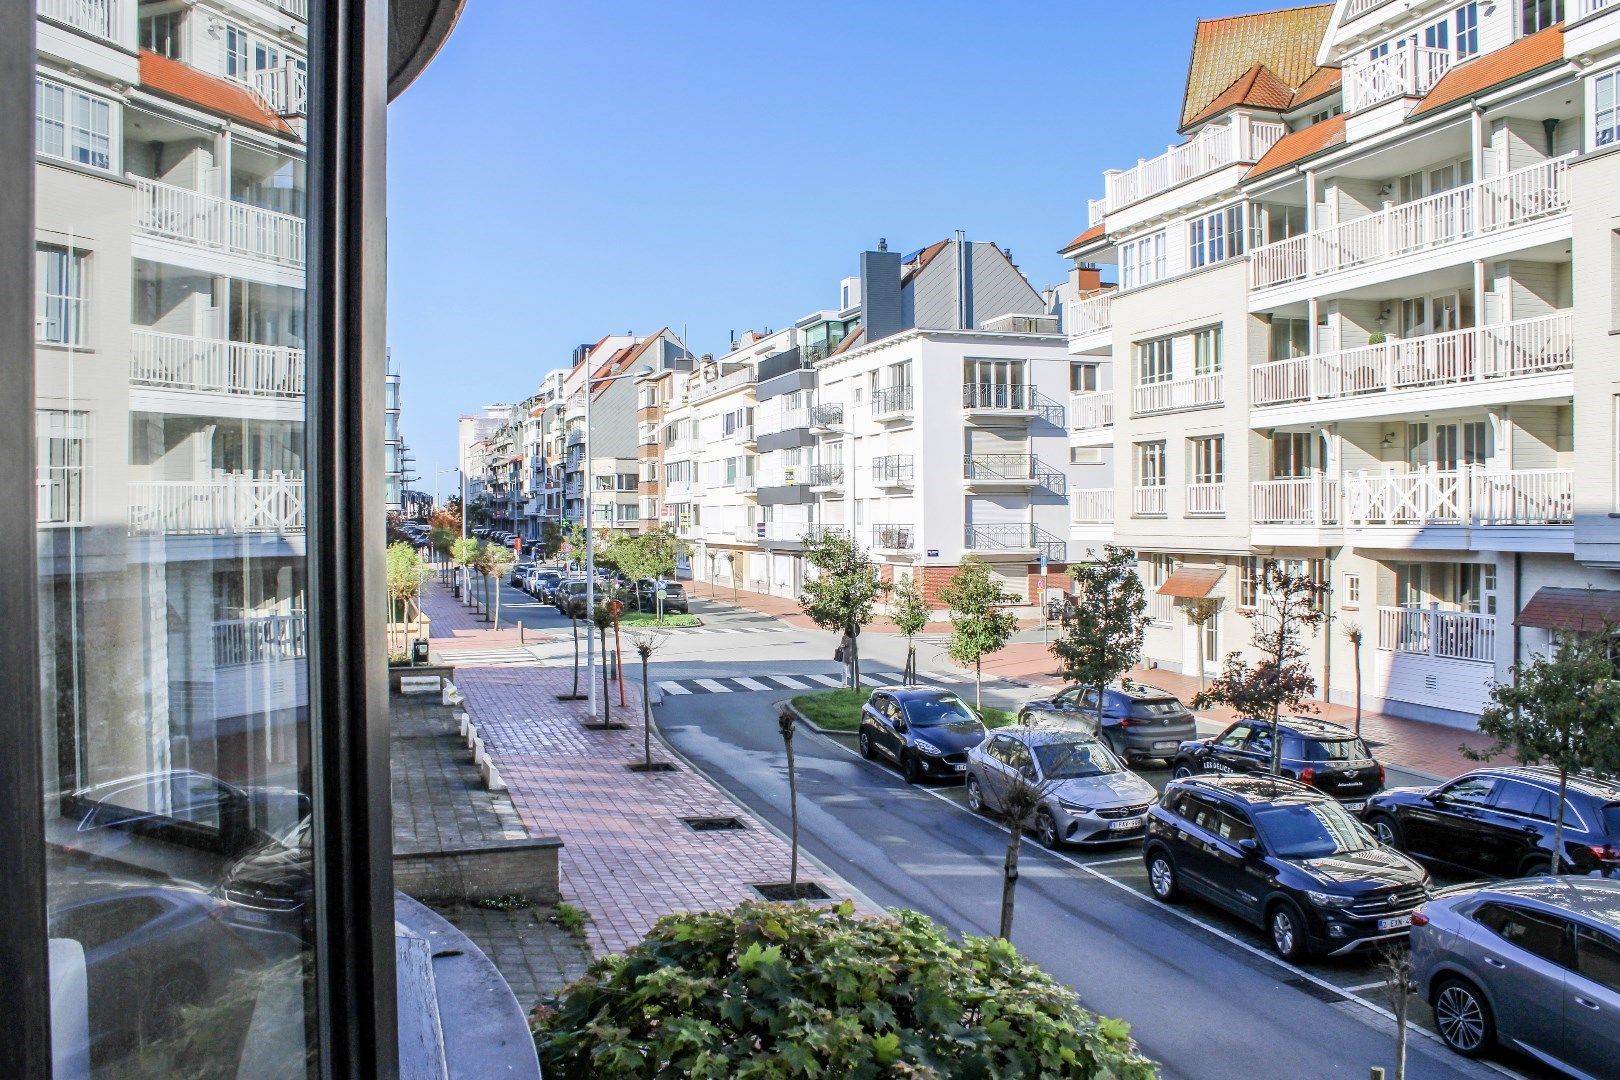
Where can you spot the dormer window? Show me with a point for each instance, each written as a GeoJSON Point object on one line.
{"type": "Point", "coordinates": [1537, 15]}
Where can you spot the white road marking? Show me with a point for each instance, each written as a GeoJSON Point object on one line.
{"type": "Point", "coordinates": [752, 684]}
{"type": "Point", "coordinates": [713, 687]}
{"type": "Point", "coordinates": [825, 680]}
{"type": "Point", "coordinates": [673, 688]}
{"type": "Point", "coordinates": [787, 683]}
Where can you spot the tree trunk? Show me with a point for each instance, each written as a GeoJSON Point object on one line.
{"type": "Point", "coordinates": [978, 682]}
{"type": "Point", "coordinates": [646, 716]}
{"type": "Point", "coordinates": [854, 659]}
{"type": "Point", "coordinates": [1276, 740]}
{"type": "Point", "coordinates": [1402, 1008]}
{"type": "Point", "coordinates": [1099, 690]}
{"type": "Point", "coordinates": [1198, 630]}
{"type": "Point", "coordinates": [793, 813]}
{"type": "Point", "coordinates": [574, 622]}
{"type": "Point", "coordinates": [911, 661]}
{"type": "Point", "coordinates": [1357, 646]}
{"type": "Point", "coordinates": [607, 697]}
{"type": "Point", "coordinates": [1009, 879]}
{"type": "Point", "coordinates": [497, 625]}
{"type": "Point", "coordinates": [1558, 823]}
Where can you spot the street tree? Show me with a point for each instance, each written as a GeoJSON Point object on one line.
{"type": "Point", "coordinates": [1395, 964]}
{"type": "Point", "coordinates": [574, 540]}
{"type": "Point", "coordinates": [786, 724]}
{"type": "Point", "coordinates": [439, 541]}
{"type": "Point", "coordinates": [980, 623]}
{"type": "Point", "coordinates": [843, 595]}
{"type": "Point", "coordinates": [498, 562]}
{"type": "Point", "coordinates": [1102, 637]}
{"type": "Point", "coordinates": [464, 553]}
{"type": "Point", "coordinates": [1199, 612]}
{"type": "Point", "coordinates": [1559, 710]}
{"type": "Point", "coordinates": [550, 542]}
{"type": "Point", "coordinates": [910, 615]}
{"type": "Point", "coordinates": [604, 616]}
{"type": "Point", "coordinates": [1354, 635]}
{"type": "Point", "coordinates": [1280, 680]}
{"type": "Point", "coordinates": [731, 572]}
{"type": "Point", "coordinates": [404, 576]}
{"type": "Point", "coordinates": [1018, 804]}
{"type": "Point", "coordinates": [647, 642]}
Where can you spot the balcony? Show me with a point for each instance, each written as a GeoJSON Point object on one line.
{"type": "Point", "coordinates": [1411, 71]}
{"type": "Point", "coordinates": [894, 538]}
{"type": "Point", "coordinates": [998, 403]}
{"type": "Point", "coordinates": [226, 505]}
{"type": "Point", "coordinates": [1304, 501]}
{"type": "Point", "coordinates": [1148, 500]}
{"type": "Point", "coordinates": [742, 433]}
{"type": "Point", "coordinates": [724, 384]}
{"type": "Point", "coordinates": [1092, 506]}
{"type": "Point", "coordinates": [1178, 395]}
{"type": "Point", "coordinates": [827, 478]}
{"type": "Point", "coordinates": [1243, 140]}
{"type": "Point", "coordinates": [259, 639]}
{"type": "Point", "coordinates": [746, 485]}
{"type": "Point", "coordinates": [299, 8]}
{"type": "Point", "coordinates": [1473, 210]}
{"type": "Point", "coordinates": [1096, 211]}
{"type": "Point", "coordinates": [284, 89]}
{"type": "Point", "coordinates": [1355, 9]}
{"type": "Point", "coordinates": [1014, 538]}
{"type": "Point", "coordinates": [1091, 411]}
{"type": "Point", "coordinates": [1474, 497]}
{"type": "Point", "coordinates": [98, 18]}
{"type": "Point", "coordinates": [1206, 500]}
{"type": "Point", "coordinates": [1093, 315]}
{"type": "Point", "coordinates": [216, 224]}
{"type": "Point", "coordinates": [892, 403]}
{"type": "Point", "coordinates": [1450, 635]}
{"type": "Point", "coordinates": [894, 471]}
{"type": "Point", "coordinates": [1008, 472]}
{"type": "Point", "coordinates": [1470, 357]}
{"type": "Point", "coordinates": [181, 362]}
{"type": "Point", "coordinates": [770, 423]}
{"type": "Point", "coordinates": [826, 419]}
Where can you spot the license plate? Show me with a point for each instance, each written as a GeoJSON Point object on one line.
{"type": "Point", "coordinates": [1166, 745]}
{"type": "Point", "coordinates": [1354, 807]}
{"type": "Point", "coordinates": [1395, 922]}
{"type": "Point", "coordinates": [257, 918]}
{"type": "Point", "coordinates": [960, 768]}
{"type": "Point", "coordinates": [1125, 824]}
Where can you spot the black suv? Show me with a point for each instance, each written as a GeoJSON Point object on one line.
{"type": "Point", "coordinates": [1286, 857]}
{"type": "Point", "coordinates": [675, 601]}
{"type": "Point", "coordinates": [1500, 822]}
{"type": "Point", "coordinates": [1138, 721]}
{"type": "Point", "coordinates": [1324, 756]}
{"type": "Point", "coordinates": [926, 732]}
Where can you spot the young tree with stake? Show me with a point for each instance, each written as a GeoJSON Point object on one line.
{"type": "Point", "coordinates": [499, 562]}
{"type": "Point", "coordinates": [910, 615]}
{"type": "Point", "coordinates": [1102, 638]}
{"type": "Point", "coordinates": [1199, 613]}
{"type": "Point", "coordinates": [404, 587]}
{"type": "Point", "coordinates": [979, 623]}
{"type": "Point", "coordinates": [1353, 634]}
{"type": "Point", "coordinates": [646, 643]}
{"type": "Point", "coordinates": [785, 724]}
{"type": "Point", "coordinates": [464, 552]}
{"type": "Point", "coordinates": [843, 595]}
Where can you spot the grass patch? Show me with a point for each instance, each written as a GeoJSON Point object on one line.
{"type": "Point", "coordinates": [649, 618]}
{"type": "Point", "coordinates": [569, 917]}
{"type": "Point", "coordinates": [840, 710]}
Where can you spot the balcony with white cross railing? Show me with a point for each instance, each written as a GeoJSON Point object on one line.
{"type": "Point", "coordinates": [1091, 411]}
{"type": "Point", "coordinates": [110, 20]}
{"type": "Point", "coordinates": [1178, 395]}
{"type": "Point", "coordinates": [1433, 632]}
{"type": "Point", "coordinates": [1483, 208]}
{"type": "Point", "coordinates": [1371, 379]}
{"type": "Point", "coordinates": [1014, 539]}
{"type": "Point", "coordinates": [259, 639]}
{"type": "Point", "coordinates": [1407, 72]}
{"type": "Point", "coordinates": [224, 505]}
{"type": "Point", "coordinates": [1471, 508]}
{"type": "Point", "coordinates": [1090, 317]}
{"type": "Point", "coordinates": [238, 368]}
{"type": "Point", "coordinates": [1242, 141]}
{"type": "Point", "coordinates": [217, 224]}
{"type": "Point", "coordinates": [284, 88]}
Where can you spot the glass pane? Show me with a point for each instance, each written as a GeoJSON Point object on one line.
{"type": "Point", "coordinates": [172, 570]}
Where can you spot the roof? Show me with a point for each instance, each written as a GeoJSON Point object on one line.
{"type": "Point", "coordinates": [1541, 49]}
{"type": "Point", "coordinates": [1296, 146]}
{"type": "Point", "coordinates": [1258, 87]}
{"type": "Point", "coordinates": [1089, 236]}
{"type": "Point", "coordinates": [849, 341]}
{"type": "Point", "coordinates": [1578, 783]}
{"type": "Point", "coordinates": [1324, 82]}
{"type": "Point", "coordinates": [924, 257]}
{"type": "Point", "coordinates": [1575, 610]}
{"type": "Point", "coordinates": [1595, 898]}
{"type": "Point", "coordinates": [1285, 42]}
{"type": "Point", "coordinates": [1192, 582]}
{"type": "Point", "coordinates": [1256, 788]}
{"type": "Point", "coordinates": [182, 82]}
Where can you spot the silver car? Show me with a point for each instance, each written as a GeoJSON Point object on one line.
{"type": "Point", "coordinates": [1532, 964]}
{"type": "Point", "coordinates": [1087, 796]}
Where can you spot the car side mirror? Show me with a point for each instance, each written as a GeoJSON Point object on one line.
{"type": "Point", "coordinates": [900, 725]}
{"type": "Point", "coordinates": [1432, 797]}
{"type": "Point", "coordinates": [1250, 847]}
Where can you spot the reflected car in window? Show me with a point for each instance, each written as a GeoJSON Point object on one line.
{"type": "Point", "coordinates": [926, 732]}
{"type": "Point", "coordinates": [1087, 795]}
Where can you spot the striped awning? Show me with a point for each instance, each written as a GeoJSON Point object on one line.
{"type": "Point", "coordinates": [1192, 582]}
{"type": "Point", "coordinates": [1574, 610]}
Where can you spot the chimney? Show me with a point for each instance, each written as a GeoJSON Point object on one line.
{"type": "Point", "coordinates": [880, 293]}
{"type": "Point", "coordinates": [964, 282]}
{"type": "Point", "coordinates": [1090, 278]}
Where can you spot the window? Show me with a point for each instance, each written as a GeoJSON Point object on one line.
{"type": "Point", "coordinates": [1352, 590]}
{"type": "Point", "coordinates": [1474, 791]}
{"type": "Point", "coordinates": [60, 281]}
{"type": "Point", "coordinates": [72, 125]}
{"type": "Point", "coordinates": [1546, 936]}
{"type": "Point", "coordinates": [1606, 109]}
{"type": "Point", "coordinates": [1206, 459]}
{"type": "Point", "coordinates": [1326, 114]}
{"type": "Point", "coordinates": [161, 34]}
{"type": "Point", "coordinates": [1082, 376]}
{"type": "Point", "coordinates": [1153, 361]}
{"type": "Point", "coordinates": [1537, 15]}
{"type": "Point", "coordinates": [1597, 957]}
{"type": "Point", "coordinates": [1150, 465]}
{"type": "Point", "coordinates": [1085, 455]}
{"type": "Point", "coordinates": [1249, 581]}
{"type": "Point", "coordinates": [1290, 338]}
{"type": "Point", "coordinates": [1526, 800]}
{"type": "Point", "coordinates": [1291, 455]}
{"type": "Point", "coordinates": [1215, 237]}
{"type": "Point", "coordinates": [1142, 261]}
{"type": "Point", "coordinates": [1207, 351]}
{"type": "Point", "coordinates": [1466, 23]}
{"type": "Point", "coordinates": [61, 439]}
{"type": "Point", "coordinates": [236, 52]}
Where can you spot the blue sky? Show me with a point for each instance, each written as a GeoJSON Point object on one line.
{"type": "Point", "coordinates": [567, 170]}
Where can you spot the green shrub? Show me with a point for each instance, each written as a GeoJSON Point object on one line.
{"type": "Point", "coordinates": [774, 991]}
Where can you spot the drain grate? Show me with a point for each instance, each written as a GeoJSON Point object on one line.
{"type": "Point", "coordinates": [804, 890]}
{"type": "Point", "coordinates": [713, 824]}
{"type": "Point", "coordinates": [646, 767]}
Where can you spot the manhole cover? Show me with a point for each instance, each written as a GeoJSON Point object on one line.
{"type": "Point", "coordinates": [713, 824]}
{"type": "Point", "coordinates": [804, 890]}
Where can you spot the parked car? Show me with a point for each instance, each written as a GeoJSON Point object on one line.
{"type": "Point", "coordinates": [1138, 721]}
{"type": "Point", "coordinates": [1500, 822]}
{"type": "Point", "coordinates": [1088, 796]}
{"type": "Point", "coordinates": [542, 583]}
{"type": "Point", "coordinates": [1322, 755]}
{"type": "Point", "coordinates": [675, 601]}
{"type": "Point", "coordinates": [181, 807]}
{"type": "Point", "coordinates": [570, 598]}
{"type": "Point", "coordinates": [1531, 964]}
{"type": "Point", "coordinates": [518, 573]}
{"type": "Point", "coordinates": [1284, 856]}
{"type": "Point", "coordinates": [926, 732]}
{"type": "Point", "coordinates": [267, 891]}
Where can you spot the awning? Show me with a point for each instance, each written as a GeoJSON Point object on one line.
{"type": "Point", "coordinates": [1192, 582]}
{"type": "Point", "coordinates": [1575, 610]}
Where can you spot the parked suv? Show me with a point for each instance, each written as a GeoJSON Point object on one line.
{"type": "Point", "coordinates": [1532, 964]}
{"type": "Point", "coordinates": [926, 732]}
{"type": "Point", "coordinates": [675, 602]}
{"type": "Point", "coordinates": [1500, 822]}
{"type": "Point", "coordinates": [1137, 721]}
{"type": "Point", "coordinates": [1284, 856]}
{"type": "Point", "coordinates": [1087, 796]}
{"type": "Point", "coordinates": [569, 597]}
{"type": "Point", "coordinates": [1322, 755]}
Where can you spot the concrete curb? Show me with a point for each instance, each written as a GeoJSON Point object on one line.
{"type": "Point", "coordinates": [804, 721]}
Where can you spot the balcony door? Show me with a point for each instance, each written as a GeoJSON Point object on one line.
{"type": "Point", "coordinates": [1296, 455]}
{"type": "Point", "coordinates": [1450, 446]}
{"type": "Point", "coordinates": [996, 383]}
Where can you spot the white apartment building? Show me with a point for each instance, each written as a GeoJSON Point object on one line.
{"type": "Point", "coordinates": [1352, 310]}
{"type": "Point", "coordinates": [709, 464]}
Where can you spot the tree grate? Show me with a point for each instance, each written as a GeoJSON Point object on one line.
{"type": "Point", "coordinates": [713, 824]}
{"type": "Point", "coordinates": [781, 890]}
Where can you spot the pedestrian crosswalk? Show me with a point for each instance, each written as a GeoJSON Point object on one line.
{"type": "Point", "coordinates": [693, 631]}
{"type": "Point", "coordinates": [490, 656]}
{"type": "Point", "coordinates": [736, 684]}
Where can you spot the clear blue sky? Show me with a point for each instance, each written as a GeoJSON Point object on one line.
{"type": "Point", "coordinates": [565, 170]}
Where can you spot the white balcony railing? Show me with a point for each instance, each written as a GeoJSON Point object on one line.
{"type": "Point", "coordinates": [1506, 350]}
{"type": "Point", "coordinates": [259, 639]}
{"type": "Point", "coordinates": [1174, 395]}
{"type": "Point", "coordinates": [99, 18]}
{"type": "Point", "coordinates": [299, 8]}
{"type": "Point", "coordinates": [1161, 608]}
{"type": "Point", "coordinates": [1148, 501]}
{"type": "Point", "coordinates": [1405, 72]}
{"type": "Point", "coordinates": [209, 221]}
{"type": "Point", "coordinates": [284, 88]}
{"type": "Point", "coordinates": [1206, 500]}
{"type": "Point", "coordinates": [1592, 7]}
{"type": "Point", "coordinates": [1357, 8]}
{"type": "Point", "coordinates": [221, 506]}
{"type": "Point", "coordinates": [1096, 210]}
{"type": "Point", "coordinates": [1462, 213]}
{"type": "Point", "coordinates": [1309, 500]}
{"type": "Point", "coordinates": [1450, 635]}
{"type": "Point", "coordinates": [1242, 140]}
{"type": "Point", "coordinates": [705, 390]}
{"type": "Point", "coordinates": [181, 362]}
{"type": "Point", "coordinates": [1469, 496]}
{"type": "Point", "coordinates": [1091, 411]}
{"type": "Point", "coordinates": [1092, 314]}
{"type": "Point", "coordinates": [1092, 506]}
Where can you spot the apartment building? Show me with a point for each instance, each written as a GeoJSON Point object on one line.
{"type": "Point", "coordinates": [1344, 335]}
{"type": "Point", "coordinates": [399, 467]}
{"type": "Point", "coordinates": [709, 463]}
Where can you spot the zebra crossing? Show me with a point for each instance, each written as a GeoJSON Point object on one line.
{"type": "Point", "coordinates": [696, 631]}
{"type": "Point", "coordinates": [488, 656]}
{"type": "Point", "coordinates": [737, 684]}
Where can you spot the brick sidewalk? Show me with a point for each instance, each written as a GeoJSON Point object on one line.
{"type": "Point", "coordinates": [788, 609]}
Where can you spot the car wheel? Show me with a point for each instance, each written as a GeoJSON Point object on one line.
{"type": "Point", "coordinates": [975, 795]}
{"type": "Point", "coordinates": [866, 745]}
{"type": "Point", "coordinates": [1181, 770]}
{"type": "Point", "coordinates": [1162, 877]}
{"type": "Point", "coordinates": [1536, 866]}
{"type": "Point", "coordinates": [1287, 927]}
{"type": "Point", "coordinates": [909, 768]}
{"type": "Point", "coordinates": [1046, 830]}
{"type": "Point", "coordinates": [1463, 1018]}
{"type": "Point", "coordinates": [1387, 829]}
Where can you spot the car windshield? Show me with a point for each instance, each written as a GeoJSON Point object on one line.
{"type": "Point", "coordinates": [1336, 750]}
{"type": "Point", "coordinates": [1311, 830]}
{"type": "Point", "coordinates": [1163, 707]}
{"type": "Point", "coordinates": [941, 709]}
{"type": "Point", "coordinates": [1075, 760]}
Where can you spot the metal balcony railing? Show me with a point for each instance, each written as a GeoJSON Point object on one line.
{"type": "Point", "coordinates": [829, 417]}
{"type": "Point", "coordinates": [891, 401]}
{"type": "Point", "coordinates": [894, 537]}
{"type": "Point", "coordinates": [893, 470]}
{"type": "Point", "coordinates": [1012, 468]}
{"type": "Point", "coordinates": [829, 475]}
{"type": "Point", "coordinates": [1015, 536]}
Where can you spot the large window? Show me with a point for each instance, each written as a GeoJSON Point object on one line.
{"type": "Point", "coordinates": [61, 295]}
{"type": "Point", "coordinates": [1143, 261]}
{"type": "Point", "coordinates": [61, 465]}
{"type": "Point", "coordinates": [1215, 237]}
{"type": "Point", "coordinates": [1151, 465]}
{"type": "Point", "coordinates": [1606, 109]}
{"type": "Point", "coordinates": [1207, 459]}
{"type": "Point", "coordinates": [71, 125]}
{"type": "Point", "coordinates": [1207, 351]}
{"type": "Point", "coordinates": [1153, 361]}
{"type": "Point", "coordinates": [1465, 21]}
{"type": "Point", "coordinates": [1536, 15]}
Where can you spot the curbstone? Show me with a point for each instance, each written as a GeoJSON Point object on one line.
{"type": "Point", "coordinates": [492, 777]}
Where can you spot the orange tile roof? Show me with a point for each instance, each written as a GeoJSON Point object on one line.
{"type": "Point", "coordinates": [924, 257]}
{"type": "Point", "coordinates": [184, 83]}
{"type": "Point", "coordinates": [1091, 234]}
{"type": "Point", "coordinates": [1298, 145]}
{"type": "Point", "coordinates": [1322, 83]}
{"type": "Point", "coordinates": [1541, 49]}
{"type": "Point", "coordinates": [1258, 87]}
{"type": "Point", "coordinates": [1284, 41]}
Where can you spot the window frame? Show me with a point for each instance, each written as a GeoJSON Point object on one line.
{"type": "Point", "coordinates": [1215, 237]}
{"type": "Point", "coordinates": [74, 306]}
{"type": "Point", "coordinates": [78, 137]}
{"type": "Point", "coordinates": [1601, 136]}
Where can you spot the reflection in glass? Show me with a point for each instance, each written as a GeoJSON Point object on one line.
{"type": "Point", "coordinates": [169, 321]}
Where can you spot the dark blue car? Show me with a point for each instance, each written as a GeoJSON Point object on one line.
{"type": "Point", "coordinates": [926, 732]}
{"type": "Point", "coordinates": [1138, 721]}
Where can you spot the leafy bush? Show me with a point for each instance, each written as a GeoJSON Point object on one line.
{"type": "Point", "coordinates": [774, 991]}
